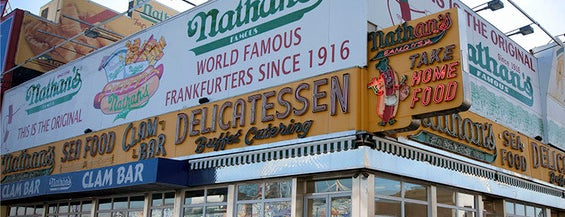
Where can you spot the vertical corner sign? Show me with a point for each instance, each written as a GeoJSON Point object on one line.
{"type": "Point", "coordinates": [415, 71]}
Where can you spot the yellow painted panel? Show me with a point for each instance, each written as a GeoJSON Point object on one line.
{"type": "Point", "coordinates": [415, 71]}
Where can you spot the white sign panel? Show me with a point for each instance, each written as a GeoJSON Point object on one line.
{"type": "Point", "coordinates": [552, 67]}
{"type": "Point", "coordinates": [504, 78]}
{"type": "Point", "coordinates": [219, 50]}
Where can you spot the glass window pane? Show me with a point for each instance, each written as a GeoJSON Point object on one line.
{"type": "Point", "coordinates": [387, 187]}
{"type": "Point", "coordinates": [413, 209]}
{"type": "Point", "coordinates": [39, 210]}
{"type": "Point", "coordinates": [445, 196]}
{"type": "Point", "coordinates": [278, 189]}
{"type": "Point", "coordinates": [14, 210]}
{"type": "Point", "coordinates": [520, 209]}
{"type": "Point", "coordinates": [105, 204]}
{"type": "Point", "coordinates": [530, 211]}
{"type": "Point", "coordinates": [341, 206]}
{"type": "Point", "coordinates": [136, 202]}
{"type": "Point", "coordinates": [193, 212]}
{"type": "Point", "coordinates": [333, 185]}
{"type": "Point", "coordinates": [170, 198]}
{"type": "Point", "coordinates": [250, 209]}
{"type": "Point", "coordinates": [415, 191]}
{"type": "Point", "coordinates": [446, 212]}
{"type": "Point", "coordinates": [157, 199]}
{"type": "Point", "coordinates": [317, 207]}
{"type": "Point", "coordinates": [509, 208]}
{"type": "Point", "coordinates": [463, 213]}
{"type": "Point", "coordinates": [278, 209]}
{"type": "Point", "coordinates": [539, 212]}
{"type": "Point", "coordinates": [344, 184]}
{"type": "Point", "coordinates": [168, 212]}
{"type": "Point", "coordinates": [156, 213]}
{"type": "Point", "coordinates": [217, 195]}
{"type": "Point", "coordinates": [74, 207]}
{"type": "Point", "coordinates": [216, 211]}
{"type": "Point", "coordinates": [86, 206]}
{"type": "Point", "coordinates": [248, 192]}
{"type": "Point", "coordinates": [104, 214]}
{"type": "Point", "coordinates": [465, 200]}
{"type": "Point", "coordinates": [63, 208]}
{"type": "Point", "coordinates": [194, 197]}
{"type": "Point", "coordinates": [30, 210]}
{"type": "Point", "coordinates": [135, 213]}
{"type": "Point", "coordinates": [384, 207]}
{"type": "Point", "coordinates": [119, 214]}
{"type": "Point", "coordinates": [120, 203]}
{"type": "Point", "coordinates": [21, 211]}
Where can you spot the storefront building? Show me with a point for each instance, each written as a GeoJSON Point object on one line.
{"type": "Point", "coordinates": [295, 109]}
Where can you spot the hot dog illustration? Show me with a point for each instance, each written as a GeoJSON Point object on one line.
{"type": "Point", "coordinates": [387, 88]}
{"type": "Point", "coordinates": [128, 93]}
{"type": "Point", "coordinates": [133, 76]}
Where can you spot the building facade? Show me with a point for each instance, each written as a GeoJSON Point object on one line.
{"type": "Point", "coordinates": [289, 108]}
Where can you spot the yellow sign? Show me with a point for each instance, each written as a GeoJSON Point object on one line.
{"type": "Point", "coordinates": [151, 13]}
{"type": "Point", "coordinates": [314, 106]}
{"type": "Point", "coordinates": [478, 138]}
{"type": "Point", "coordinates": [416, 71]}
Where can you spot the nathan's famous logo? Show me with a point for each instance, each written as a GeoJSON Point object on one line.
{"type": "Point", "coordinates": [498, 75]}
{"type": "Point", "coordinates": [388, 86]}
{"type": "Point", "coordinates": [453, 133]}
{"type": "Point", "coordinates": [214, 22]}
{"type": "Point", "coordinates": [58, 90]}
{"type": "Point", "coordinates": [153, 15]}
{"type": "Point", "coordinates": [25, 165]}
{"type": "Point", "coordinates": [132, 77]}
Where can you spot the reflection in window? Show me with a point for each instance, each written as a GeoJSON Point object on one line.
{"type": "Point", "coordinates": [72, 208]}
{"type": "Point", "coordinates": [205, 202]}
{"type": "Point", "coordinates": [329, 197]}
{"type": "Point", "coordinates": [127, 206]}
{"type": "Point", "coordinates": [415, 191]}
{"type": "Point", "coordinates": [387, 187]}
{"type": "Point", "coordinates": [333, 185]}
{"type": "Point", "coordinates": [271, 198]}
{"type": "Point", "coordinates": [26, 210]}
{"type": "Point", "coordinates": [450, 202]}
{"type": "Point", "coordinates": [385, 207]}
{"type": "Point", "coordinates": [162, 204]}
{"type": "Point", "coordinates": [400, 198]}
{"type": "Point", "coordinates": [515, 209]}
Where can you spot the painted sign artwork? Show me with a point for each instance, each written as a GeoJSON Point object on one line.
{"type": "Point", "coordinates": [218, 50]}
{"type": "Point", "coordinates": [133, 76]}
{"type": "Point", "coordinates": [416, 71]}
{"type": "Point", "coordinates": [478, 138]}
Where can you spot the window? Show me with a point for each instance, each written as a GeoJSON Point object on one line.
{"type": "Point", "coordinates": [162, 204]}
{"type": "Point", "coordinates": [26, 210]}
{"type": "Point", "coordinates": [400, 198]}
{"type": "Point", "coordinates": [205, 202]}
{"type": "Point", "coordinates": [329, 197]}
{"type": "Point", "coordinates": [271, 198]}
{"type": "Point", "coordinates": [514, 209]}
{"type": "Point", "coordinates": [453, 203]}
{"type": "Point", "coordinates": [121, 206]}
{"type": "Point", "coordinates": [72, 208]}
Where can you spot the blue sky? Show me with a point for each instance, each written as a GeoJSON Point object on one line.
{"type": "Point", "coordinates": [548, 13]}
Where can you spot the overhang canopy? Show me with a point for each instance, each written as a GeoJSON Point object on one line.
{"type": "Point", "coordinates": [144, 175]}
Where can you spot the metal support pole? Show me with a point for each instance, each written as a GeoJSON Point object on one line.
{"type": "Point", "coordinates": [531, 19]}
